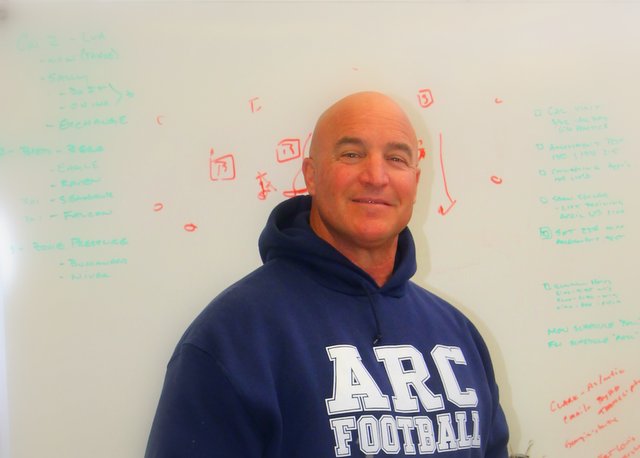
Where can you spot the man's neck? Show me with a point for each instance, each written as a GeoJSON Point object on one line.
{"type": "Point", "coordinates": [377, 262]}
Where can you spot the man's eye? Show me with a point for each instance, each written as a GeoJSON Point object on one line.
{"type": "Point", "coordinates": [350, 155]}
{"type": "Point", "coordinates": [400, 160]}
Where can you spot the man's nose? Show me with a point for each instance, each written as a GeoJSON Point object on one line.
{"type": "Point", "coordinates": [375, 170]}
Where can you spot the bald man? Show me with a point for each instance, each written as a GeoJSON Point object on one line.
{"type": "Point", "coordinates": [328, 349]}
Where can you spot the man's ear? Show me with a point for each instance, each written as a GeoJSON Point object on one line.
{"type": "Point", "coordinates": [309, 172]}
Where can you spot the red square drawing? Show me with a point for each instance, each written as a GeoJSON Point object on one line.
{"type": "Point", "coordinates": [425, 98]}
{"type": "Point", "coordinates": [288, 149]}
{"type": "Point", "coordinates": [222, 168]}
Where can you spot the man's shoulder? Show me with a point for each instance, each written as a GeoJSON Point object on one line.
{"type": "Point", "coordinates": [245, 310]}
{"type": "Point", "coordinates": [438, 305]}
{"type": "Point", "coordinates": [273, 279]}
{"type": "Point", "coordinates": [425, 295]}
{"type": "Point", "coordinates": [252, 297]}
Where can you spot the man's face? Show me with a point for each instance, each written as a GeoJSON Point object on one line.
{"type": "Point", "coordinates": [362, 173]}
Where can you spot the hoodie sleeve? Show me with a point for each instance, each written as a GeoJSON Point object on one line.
{"type": "Point", "coordinates": [498, 438]}
{"type": "Point", "coordinates": [200, 414]}
{"type": "Point", "coordinates": [499, 434]}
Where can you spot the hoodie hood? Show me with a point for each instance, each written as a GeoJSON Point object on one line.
{"type": "Point", "coordinates": [288, 235]}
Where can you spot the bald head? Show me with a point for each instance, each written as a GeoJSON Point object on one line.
{"type": "Point", "coordinates": [362, 107]}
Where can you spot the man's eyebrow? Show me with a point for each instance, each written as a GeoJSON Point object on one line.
{"type": "Point", "coordinates": [404, 147]}
{"type": "Point", "coordinates": [350, 141]}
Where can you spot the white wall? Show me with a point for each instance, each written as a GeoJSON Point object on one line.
{"type": "Point", "coordinates": [535, 109]}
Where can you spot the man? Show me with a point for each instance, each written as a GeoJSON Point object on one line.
{"type": "Point", "coordinates": [328, 349]}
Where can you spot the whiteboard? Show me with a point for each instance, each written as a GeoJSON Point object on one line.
{"type": "Point", "coordinates": [142, 146]}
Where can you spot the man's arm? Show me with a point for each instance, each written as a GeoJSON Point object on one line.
{"type": "Point", "coordinates": [497, 442]}
{"type": "Point", "coordinates": [200, 414]}
{"type": "Point", "coordinates": [499, 432]}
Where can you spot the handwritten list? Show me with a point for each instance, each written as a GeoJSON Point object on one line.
{"type": "Point", "coordinates": [595, 312]}
{"type": "Point", "coordinates": [592, 410]}
{"type": "Point", "coordinates": [71, 215]}
{"type": "Point", "coordinates": [579, 151]}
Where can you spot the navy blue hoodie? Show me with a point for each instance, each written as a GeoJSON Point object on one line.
{"type": "Point", "coordinates": [307, 357]}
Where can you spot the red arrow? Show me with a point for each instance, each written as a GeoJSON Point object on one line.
{"type": "Point", "coordinates": [443, 211]}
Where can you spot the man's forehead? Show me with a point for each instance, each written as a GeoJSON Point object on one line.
{"type": "Point", "coordinates": [361, 115]}
{"type": "Point", "coordinates": [369, 130]}
{"type": "Point", "coordinates": [369, 116]}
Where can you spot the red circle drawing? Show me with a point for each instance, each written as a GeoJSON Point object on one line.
{"type": "Point", "coordinates": [158, 206]}
{"type": "Point", "coordinates": [190, 227]}
{"type": "Point", "coordinates": [496, 179]}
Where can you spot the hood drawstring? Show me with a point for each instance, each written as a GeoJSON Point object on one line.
{"type": "Point", "coordinates": [378, 335]}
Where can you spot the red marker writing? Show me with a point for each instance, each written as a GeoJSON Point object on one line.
{"type": "Point", "coordinates": [253, 102]}
{"type": "Point", "coordinates": [425, 98]}
{"type": "Point", "coordinates": [422, 153]}
{"type": "Point", "coordinates": [443, 211]}
{"type": "Point", "coordinates": [295, 191]}
{"type": "Point", "coordinates": [221, 168]}
{"type": "Point", "coordinates": [265, 185]}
